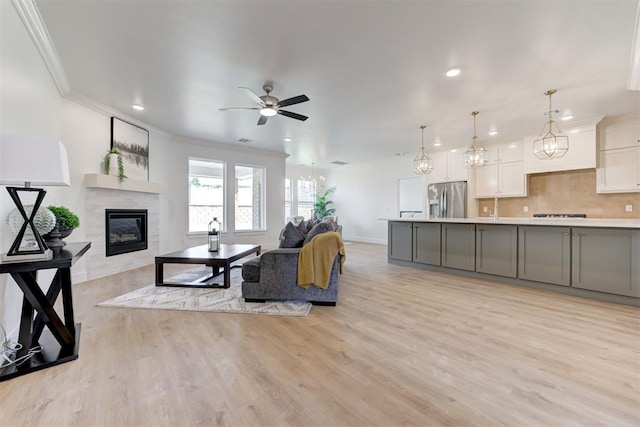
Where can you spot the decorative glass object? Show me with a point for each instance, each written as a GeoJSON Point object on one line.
{"type": "Point", "coordinates": [422, 164]}
{"type": "Point", "coordinates": [475, 154]}
{"type": "Point", "coordinates": [44, 222]}
{"type": "Point", "coordinates": [550, 145]}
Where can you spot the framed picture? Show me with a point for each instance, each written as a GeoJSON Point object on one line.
{"type": "Point", "coordinates": [133, 143]}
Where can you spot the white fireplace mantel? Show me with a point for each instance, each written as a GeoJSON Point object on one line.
{"type": "Point", "coordinates": [96, 180]}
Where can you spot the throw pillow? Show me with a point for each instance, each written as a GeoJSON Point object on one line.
{"type": "Point", "coordinates": [311, 223]}
{"type": "Point", "coordinates": [291, 237]}
{"type": "Point", "coordinates": [322, 227]}
{"type": "Point", "coordinates": [302, 227]}
{"type": "Point", "coordinates": [332, 222]}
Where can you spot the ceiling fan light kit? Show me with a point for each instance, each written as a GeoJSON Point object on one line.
{"type": "Point", "coordinates": [422, 164]}
{"type": "Point", "coordinates": [550, 145]}
{"type": "Point", "coordinates": [268, 112]}
{"type": "Point", "coordinates": [475, 154]}
{"type": "Point", "coordinates": [269, 106]}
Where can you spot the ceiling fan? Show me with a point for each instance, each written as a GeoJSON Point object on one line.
{"type": "Point", "coordinates": [270, 105]}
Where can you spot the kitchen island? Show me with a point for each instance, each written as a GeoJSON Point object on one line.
{"type": "Point", "coordinates": [594, 258]}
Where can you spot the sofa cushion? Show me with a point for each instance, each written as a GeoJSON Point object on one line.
{"type": "Point", "coordinates": [319, 228]}
{"type": "Point", "coordinates": [332, 222]}
{"type": "Point", "coordinates": [251, 270]}
{"type": "Point", "coordinates": [310, 224]}
{"type": "Point", "coordinates": [302, 227]}
{"type": "Point", "coordinates": [291, 237]}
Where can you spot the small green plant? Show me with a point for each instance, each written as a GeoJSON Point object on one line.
{"type": "Point", "coordinates": [106, 164]}
{"type": "Point", "coordinates": [64, 217]}
{"type": "Point", "coordinates": [321, 206]}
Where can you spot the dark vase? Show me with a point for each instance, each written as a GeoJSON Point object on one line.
{"type": "Point", "coordinates": [53, 239]}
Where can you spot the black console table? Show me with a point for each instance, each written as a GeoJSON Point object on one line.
{"type": "Point", "coordinates": [62, 339]}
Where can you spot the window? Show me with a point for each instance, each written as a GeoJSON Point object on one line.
{"type": "Point", "coordinates": [306, 197]}
{"type": "Point", "coordinates": [250, 198]}
{"type": "Point", "coordinates": [287, 199]}
{"type": "Point", "coordinates": [206, 194]}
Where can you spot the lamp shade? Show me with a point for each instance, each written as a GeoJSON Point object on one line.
{"type": "Point", "coordinates": [38, 161]}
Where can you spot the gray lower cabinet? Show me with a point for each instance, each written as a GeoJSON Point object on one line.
{"type": "Point", "coordinates": [606, 260]}
{"type": "Point", "coordinates": [426, 243]}
{"type": "Point", "coordinates": [459, 246]}
{"type": "Point", "coordinates": [497, 249]}
{"type": "Point", "coordinates": [400, 240]}
{"type": "Point", "coordinates": [545, 254]}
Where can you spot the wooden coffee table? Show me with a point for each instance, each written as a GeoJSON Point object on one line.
{"type": "Point", "coordinates": [200, 255]}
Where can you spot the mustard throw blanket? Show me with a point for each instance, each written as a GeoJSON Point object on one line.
{"type": "Point", "coordinates": [316, 259]}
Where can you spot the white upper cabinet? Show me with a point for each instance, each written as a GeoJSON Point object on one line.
{"type": "Point", "coordinates": [582, 152]}
{"type": "Point", "coordinates": [448, 166]}
{"type": "Point", "coordinates": [487, 181]}
{"type": "Point", "coordinates": [619, 171]}
{"type": "Point", "coordinates": [619, 161]}
{"type": "Point", "coordinates": [619, 132]}
{"type": "Point", "coordinates": [504, 172]}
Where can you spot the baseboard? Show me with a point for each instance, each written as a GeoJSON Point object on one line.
{"type": "Point", "coordinates": [362, 239]}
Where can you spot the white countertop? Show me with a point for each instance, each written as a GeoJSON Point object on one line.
{"type": "Point", "coordinates": [561, 222]}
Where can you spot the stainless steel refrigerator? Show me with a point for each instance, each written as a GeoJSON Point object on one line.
{"type": "Point", "coordinates": [448, 199]}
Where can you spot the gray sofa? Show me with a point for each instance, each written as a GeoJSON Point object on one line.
{"type": "Point", "coordinates": [273, 276]}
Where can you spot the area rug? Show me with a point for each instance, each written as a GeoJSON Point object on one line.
{"type": "Point", "coordinates": [217, 300]}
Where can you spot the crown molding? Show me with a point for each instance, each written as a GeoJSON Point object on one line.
{"type": "Point", "coordinates": [103, 109]}
{"type": "Point", "coordinates": [34, 24]}
{"type": "Point", "coordinates": [32, 20]}
{"type": "Point", "coordinates": [229, 146]}
{"type": "Point", "coordinates": [634, 72]}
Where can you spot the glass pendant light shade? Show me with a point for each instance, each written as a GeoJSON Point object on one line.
{"type": "Point", "coordinates": [475, 155]}
{"type": "Point", "coordinates": [422, 164]}
{"type": "Point", "coordinates": [550, 145]}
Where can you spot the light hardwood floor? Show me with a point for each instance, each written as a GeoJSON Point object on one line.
{"type": "Point", "coordinates": [403, 347]}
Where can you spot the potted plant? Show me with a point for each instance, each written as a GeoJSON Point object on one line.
{"type": "Point", "coordinates": [66, 221]}
{"type": "Point", "coordinates": [107, 163]}
{"type": "Point", "coordinates": [321, 206]}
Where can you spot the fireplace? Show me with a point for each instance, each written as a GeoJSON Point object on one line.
{"type": "Point", "coordinates": [126, 230]}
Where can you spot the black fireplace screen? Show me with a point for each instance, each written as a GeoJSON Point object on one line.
{"type": "Point", "coordinates": [126, 230]}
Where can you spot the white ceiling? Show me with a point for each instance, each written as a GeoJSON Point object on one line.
{"type": "Point", "coordinates": [374, 70]}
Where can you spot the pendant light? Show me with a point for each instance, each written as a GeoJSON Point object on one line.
{"type": "Point", "coordinates": [422, 164]}
{"type": "Point", "coordinates": [475, 154]}
{"type": "Point", "coordinates": [550, 145]}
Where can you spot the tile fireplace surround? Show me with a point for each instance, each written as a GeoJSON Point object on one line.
{"type": "Point", "coordinates": [99, 199]}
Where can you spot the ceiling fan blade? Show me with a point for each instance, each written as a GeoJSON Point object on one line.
{"type": "Point", "coordinates": [262, 120]}
{"type": "Point", "coordinates": [291, 101]}
{"type": "Point", "coordinates": [252, 95]}
{"type": "Point", "coordinates": [238, 108]}
{"type": "Point", "coordinates": [293, 115]}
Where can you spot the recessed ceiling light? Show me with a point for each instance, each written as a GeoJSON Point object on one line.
{"type": "Point", "coordinates": [455, 150]}
{"type": "Point", "coordinates": [137, 107]}
{"type": "Point", "coordinates": [453, 72]}
{"type": "Point", "coordinates": [567, 117]}
{"type": "Point", "coordinates": [287, 139]}
{"type": "Point", "coordinates": [437, 144]}
{"type": "Point", "coordinates": [493, 132]}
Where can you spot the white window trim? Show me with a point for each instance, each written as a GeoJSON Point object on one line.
{"type": "Point", "coordinates": [225, 210]}
{"type": "Point", "coordinates": [263, 198]}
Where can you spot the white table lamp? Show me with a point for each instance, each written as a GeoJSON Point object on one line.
{"type": "Point", "coordinates": [27, 161]}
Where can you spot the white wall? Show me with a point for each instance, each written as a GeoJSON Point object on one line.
{"type": "Point", "coordinates": [170, 167]}
{"type": "Point", "coordinates": [31, 105]}
{"type": "Point", "coordinates": [366, 192]}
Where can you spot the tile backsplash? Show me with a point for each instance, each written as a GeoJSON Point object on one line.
{"type": "Point", "coordinates": [565, 192]}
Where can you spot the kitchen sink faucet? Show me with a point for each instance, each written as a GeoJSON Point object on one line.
{"type": "Point", "coordinates": [494, 215]}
